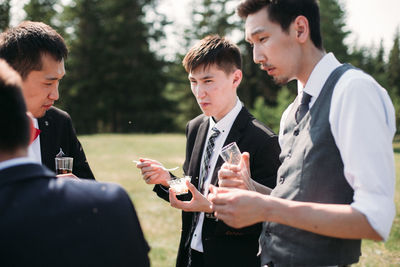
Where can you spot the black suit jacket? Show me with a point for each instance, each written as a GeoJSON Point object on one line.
{"type": "Point", "coordinates": [223, 245]}
{"type": "Point", "coordinates": [47, 221]}
{"type": "Point", "coordinates": [57, 132]}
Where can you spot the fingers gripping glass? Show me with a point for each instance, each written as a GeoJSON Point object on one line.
{"type": "Point", "coordinates": [231, 154]}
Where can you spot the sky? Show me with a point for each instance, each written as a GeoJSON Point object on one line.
{"type": "Point", "coordinates": [373, 20]}
{"type": "Point", "coordinates": [368, 20]}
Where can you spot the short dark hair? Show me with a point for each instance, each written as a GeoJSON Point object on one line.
{"type": "Point", "coordinates": [213, 49]}
{"type": "Point", "coordinates": [14, 121]}
{"type": "Point", "coordinates": [23, 46]}
{"type": "Point", "coordinates": [284, 12]}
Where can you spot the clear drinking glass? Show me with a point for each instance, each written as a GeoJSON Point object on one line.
{"type": "Point", "coordinates": [64, 165]}
{"type": "Point", "coordinates": [231, 154]}
{"type": "Point", "coordinates": [179, 185]}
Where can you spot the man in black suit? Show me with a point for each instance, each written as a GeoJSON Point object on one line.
{"type": "Point", "coordinates": [96, 225]}
{"type": "Point", "coordinates": [37, 52]}
{"type": "Point", "coordinates": [214, 67]}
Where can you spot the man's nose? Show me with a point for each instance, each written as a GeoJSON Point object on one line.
{"type": "Point", "coordinates": [54, 94]}
{"type": "Point", "coordinates": [258, 56]}
{"type": "Point", "coordinates": [199, 91]}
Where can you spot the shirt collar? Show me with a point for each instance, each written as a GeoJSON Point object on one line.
{"type": "Point", "coordinates": [319, 75]}
{"type": "Point", "coordinates": [226, 122]}
{"type": "Point", "coordinates": [35, 123]}
{"type": "Point", "coordinates": [15, 161]}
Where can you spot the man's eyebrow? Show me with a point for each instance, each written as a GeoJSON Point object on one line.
{"type": "Point", "coordinates": [255, 32]}
{"type": "Point", "coordinates": [209, 76]}
{"type": "Point", "coordinates": [53, 78]}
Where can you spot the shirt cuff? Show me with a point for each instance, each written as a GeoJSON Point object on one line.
{"type": "Point", "coordinates": [379, 210]}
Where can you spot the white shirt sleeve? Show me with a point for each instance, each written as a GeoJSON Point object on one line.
{"type": "Point", "coordinates": [362, 121]}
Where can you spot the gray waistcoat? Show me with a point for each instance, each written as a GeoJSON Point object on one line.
{"type": "Point", "coordinates": [311, 171]}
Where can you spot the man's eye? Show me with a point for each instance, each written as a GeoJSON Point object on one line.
{"type": "Point", "coordinates": [208, 81]}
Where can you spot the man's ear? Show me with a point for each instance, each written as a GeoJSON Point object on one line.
{"type": "Point", "coordinates": [237, 77]}
{"type": "Point", "coordinates": [302, 29]}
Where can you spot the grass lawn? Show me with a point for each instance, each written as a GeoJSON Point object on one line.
{"type": "Point", "coordinates": [111, 156]}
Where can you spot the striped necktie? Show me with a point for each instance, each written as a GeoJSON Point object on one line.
{"type": "Point", "coordinates": [206, 158]}
{"type": "Point", "coordinates": [303, 107]}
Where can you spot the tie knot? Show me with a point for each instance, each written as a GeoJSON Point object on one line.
{"type": "Point", "coordinates": [216, 132]}
{"type": "Point", "coordinates": [305, 98]}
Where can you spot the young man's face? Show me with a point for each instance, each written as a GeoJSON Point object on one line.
{"type": "Point", "coordinates": [275, 50]}
{"type": "Point", "coordinates": [40, 88]}
{"type": "Point", "coordinates": [215, 91]}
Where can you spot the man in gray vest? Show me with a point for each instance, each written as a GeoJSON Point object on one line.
{"type": "Point", "coordinates": [336, 182]}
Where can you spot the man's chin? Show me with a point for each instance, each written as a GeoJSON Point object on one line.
{"type": "Point", "coordinates": [280, 80]}
{"type": "Point", "coordinates": [39, 114]}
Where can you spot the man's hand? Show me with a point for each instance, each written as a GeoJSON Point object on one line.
{"type": "Point", "coordinates": [153, 172]}
{"type": "Point", "coordinates": [198, 202]}
{"type": "Point", "coordinates": [237, 208]}
{"type": "Point", "coordinates": [237, 176]}
{"type": "Point", "coordinates": [67, 175]}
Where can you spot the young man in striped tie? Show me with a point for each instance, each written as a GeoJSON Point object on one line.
{"type": "Point", "coordinates": [214, 68]}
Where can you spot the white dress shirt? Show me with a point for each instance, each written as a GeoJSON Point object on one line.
{"type": "Point", "coordinates": [224, 126]}
{"type": "Point", "coordinates": [362, 120]}
{"type": "Point", "coordinates": [34, 151]}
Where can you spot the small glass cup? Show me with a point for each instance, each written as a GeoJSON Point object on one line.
{"type": "Point", "coordinates": [231, 154]}
{"type": "Point", "coordinates": [179, 185]}
{"type": "Point", "coordinates": [64, 165]}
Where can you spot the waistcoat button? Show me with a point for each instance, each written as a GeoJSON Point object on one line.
{"type": "Point", "coordinates": [296, 132]}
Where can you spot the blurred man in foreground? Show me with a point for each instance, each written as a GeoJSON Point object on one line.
{"type": "Point", "coordinates": [47, 221]}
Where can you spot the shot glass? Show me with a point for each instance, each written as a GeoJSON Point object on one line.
{"type": "Point", "coordinates": [179, 185]}
{"type": "Point", "coordinates": [64, 165]}
{"type": "Point", "coordinates": [231, 154]}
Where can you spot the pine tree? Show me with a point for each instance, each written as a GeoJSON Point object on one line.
{"type": "Point", "coordinates": [115, 83]}
{"type": "Point", "coordinates": [393, 71]}
{"type": "Point", "coordinates": [41, 10]}
{"type": "Point", "coordinates": [4, 14]}
{"type": "Point", "coordinates": [332, 28]}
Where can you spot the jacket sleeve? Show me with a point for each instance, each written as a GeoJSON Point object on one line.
{"type": "Point", "coordinates": [265, 163]}
{"type": "Point", "coordinates": [80, 165]}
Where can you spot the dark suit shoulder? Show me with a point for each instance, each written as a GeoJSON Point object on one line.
{"type": "Point", "coordinates": [57, 113]}
{"type": "Point", "coordinates": [261, 128]}
{"type": "Point", "coordinates": [196, 122]}
{"type": "Point", "coordinates": [255, 126]}
{"type": "Point", "coordinates": [91, 190]}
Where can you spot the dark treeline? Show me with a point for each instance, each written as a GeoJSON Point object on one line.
{"type": "Point", "coordinates": [116, 83]}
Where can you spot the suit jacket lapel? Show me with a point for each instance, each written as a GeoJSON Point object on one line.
{"type": "Point", "coordinates": [47, 139]}
{"type": "Point", "coordinates": [235, 135]}
{"type": "Point", "coordinates": [197, 152]}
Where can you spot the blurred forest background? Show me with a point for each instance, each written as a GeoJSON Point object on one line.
{"type": "Point", "coordinates": [119, 81]}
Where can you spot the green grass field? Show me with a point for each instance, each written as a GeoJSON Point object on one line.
{"type": "Point", "coordinates": [111, 156]}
